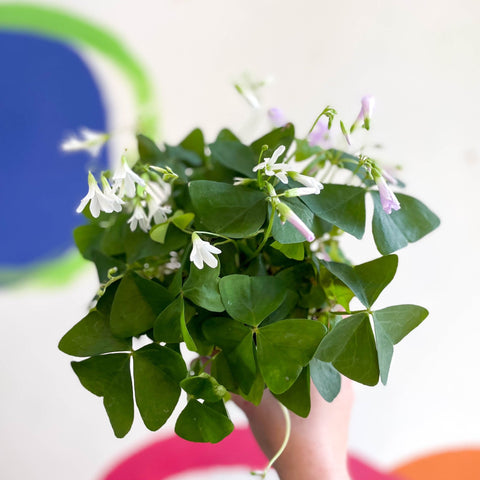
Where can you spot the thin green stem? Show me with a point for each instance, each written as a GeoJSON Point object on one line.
{"type": "Point", "coordinates": [267, 233]}
{"type": "Point", "coordinates": [288, 428]}
{"type": "Point", "coordinates": [352, 312]}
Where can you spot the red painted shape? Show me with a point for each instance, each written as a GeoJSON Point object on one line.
{"type": "Point", "coordinates": [174, 455]}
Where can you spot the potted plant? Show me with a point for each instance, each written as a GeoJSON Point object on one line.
{"type": "Point", "coordinates": [229, 253]}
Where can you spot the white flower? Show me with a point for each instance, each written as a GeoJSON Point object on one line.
{"type": "Point", "coordinates": [139, 218]}
{"type": "Point", "coordinates": [125, 178]}
{"type": "Point", "coordinates": [311, 185]}
{"type": "Point", "coordinates": [88, 140]}
{"type": "Point", "coordinates": [99, 201]}
{"type": "Point", "coordinates": [202, 252]}
{"type": "Point", "coordinates": [272, 168]}
{"type": "Point", "coordinates": [117, 202]}
{"type": "Point", "coordinates": [157, 212]}
{"type": "Point", "coordinates": [159, 191]}
{"type": "Point", "coordinates": [157, 195]}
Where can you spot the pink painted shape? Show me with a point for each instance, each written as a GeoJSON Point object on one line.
{"type": "Point", "coordinates": [174, 455]}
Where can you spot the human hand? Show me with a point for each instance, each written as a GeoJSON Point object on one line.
{"type": "Point", "coordinates": [317, 448]}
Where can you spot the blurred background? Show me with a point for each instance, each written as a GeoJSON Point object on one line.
{"type": "Point", "coordinates": [105, 65]}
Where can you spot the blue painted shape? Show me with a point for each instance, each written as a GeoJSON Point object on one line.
{"type": "Point", "coordinates": [46, 92]}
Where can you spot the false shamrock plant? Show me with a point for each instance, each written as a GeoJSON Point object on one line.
{"type": "Point", "coordinates": [231, 251]}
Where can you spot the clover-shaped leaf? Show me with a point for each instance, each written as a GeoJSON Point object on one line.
{"type": "Point", "coordinates": [157, 373]}
{"type": "Point", "coordinates": [409, 224]}
{"type": "Point", "coordinates": [341, 205]}
{"type": "Point", "coordinates": [92, 336]}
{"type": "Point", "coordinates": [368, 279]}
{"type": "Point", "coordinates": [201, 287]}
{"type": "Point", "coordinates": [251, 299]}
{"type": "Point", "coordinates": [235, 211]}
{"type": "Point", "coordinates": [391, 325]}
{"type": "Point", "coordinates": [284, 348]}
{"type": "Point", "coordinates": [202, 422]}
{"type": "Point", "coordinates": [136, 304]}
{"type": "Point", "coordinates": [350, 347]}
{"type": "Point", "coordinates": [108, 376]}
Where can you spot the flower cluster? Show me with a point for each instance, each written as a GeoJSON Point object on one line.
{"type": "Point", "coordinates": [125, 192]}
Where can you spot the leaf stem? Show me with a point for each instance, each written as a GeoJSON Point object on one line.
{"type": "Point", "coordinates": [288, 428]}
{"type": "Point", "coordinates": [353, 312]}
{"type": "Point", "coordinates": [267, 233]}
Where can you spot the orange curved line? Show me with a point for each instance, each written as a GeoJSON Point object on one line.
{"type": "Point", "coordinates": [451, 465]}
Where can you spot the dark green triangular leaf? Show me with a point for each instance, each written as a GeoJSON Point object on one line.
{"type": "Point", "coordinates": [368, 279]}
{"type": "Point", "coordinates": [149, 152]}
{"type": "Point", "coordinates": [167, 327]}
{"type": "Point", "coordinates": [412, 222]}
{"type": "Point", "coordinates": [399, 320]}
{"type": "Point", "coordinates": [280, 136]}
{"type": "Point", "coordinates": [88, 238]}
{"type": "Point", "coordinates": [250, 299]}
{"type": "Point", "coordinates": [92, 336]}
{"type": "Point", "coordinates": [282, 312]}
{"type": "Point", "coordinates": [204, 386]}
{"type": "Point", "coordinates": [325, 378]}
{"type": "Point", "coordinates": [187, 338]}
{"type": "Point", "coordinates": [108, 376]}
{"type": "Point", "coordinates": [295, 251]}
{"type": "Point", "coordinates": [139, 245]}
{"type": "Point", "coordinates": [195, 142]}
{"type": "Point", "coordinates": [157, 373]}
{"type": "Point", "coordinates": [384, 351]}
{"type": "Point", "coordinates": [341, 205]}
{"type": "Point", "coordinates": [136, 305]}
{"type": "Point", "coordinates": [350, 347]}
{"type": "Point", "coordinates": [286, 233]}
{"type": "Point", "coordinates": [234, 211]}
{"type": "Point", "coordinates": [391, 325]}
{"type": "Point", "coordinates": [297, 397]}
{"type": "Point", "coordinates": [284, 348]}
{"type": "Point", "coordinates": [234, 155]}
{"type": "Point", "coordinates": [201, 287]}
{"type": "Point", "coordinates": [201, 423]}
{"type": "Point", "coordinates": [236, 341]}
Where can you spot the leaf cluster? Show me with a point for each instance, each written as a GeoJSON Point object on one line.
{"type": "Point", "coordinates": [266, 317]}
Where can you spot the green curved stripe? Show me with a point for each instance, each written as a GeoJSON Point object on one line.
{"type": "Point", "coordinates": [57, 24]}
{"type": "Point", "coordinates": [51, 273]}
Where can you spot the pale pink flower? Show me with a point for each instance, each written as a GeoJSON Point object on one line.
{"type": "Point", "coordinates": [288, 215]}
{"type": "Point", "coordinates": [365, 114]}
{"type": "Point", "coordinates": [277, 117]}
{"type": "Point", "coordinates": [320, 135]}
{"type": "Point", "coordinates": [387, 197]}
